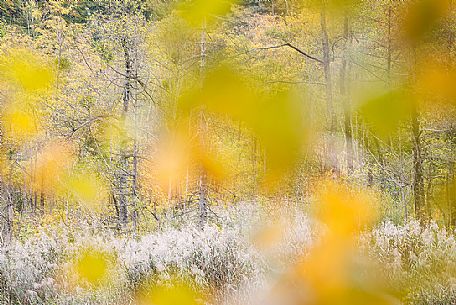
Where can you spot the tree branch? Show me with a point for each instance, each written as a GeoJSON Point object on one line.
{"type": "Point", "coordinates": [294, 48]}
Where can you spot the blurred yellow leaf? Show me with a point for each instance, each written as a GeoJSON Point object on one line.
{"type": "Point", "coordinates": [51, 164]}
{"type": "Point", "coordinates": [176, 292]}
{"type": "Point", "coordinates": [342, 5]}
{"type": "Point", "coordinates": [437, 81]}
{"type": "Point", "coordinates": [385, 111]}
{"type": "Point", "coordinates": [278, 124]}
{"type": "Point", "coordinates": [422, 16]}
{"type": "Point", "coordinates": [199, 13]}
{"type": "Point", "coordinates": [25, 76]}
{"type": "Point", "coordinates": [343, 210]}
{"type": "Point", "coordinates": [213, 158]}
{"type": "Point", "coordinates": [26, 70]}
{"type": "Point", "coordinates": [268, 236]}
{"type": "Point", "coordinates": [326, 271]}
{"type": "Point", "coordinates": [275, 119]}
{"type": "Point", "coordinates": [91, 267]}
{"type": "Point", "coordinates": [115, 132]}
{"type": "Point", "coordinates": [211, 163]}
{"type": "Point", "coordinates": [170, 160]}
{"type": "Point", "coordinates": [19, 123]}
{"type": "Point", "coordinates": [87, 188]}
{"type": "Point", "coordinates": [227, 93]}
{"type": "Point", "coordinates": [328, 274]}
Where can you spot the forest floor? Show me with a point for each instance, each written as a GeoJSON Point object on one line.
{"type": "Point", "coordinates": [241, 257]}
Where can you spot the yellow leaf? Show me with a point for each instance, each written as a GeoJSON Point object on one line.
{"type": "Point", "coordinates": [170, 160]}
{"type": "Point", "coordinates": [227, 93]}
{"type": "Point", "coordinates": [327, 273]}
{"type": "Point", "coordinates": [422, 17]}
{"type": "Point", "coordinates": [276, 120]}
{"type": "Point", "coordinates": [87, 188]}
{"type": "Point", "coordinates": [342, 5]}
{"type": "Point", "coordinates": [269, 236]}
{"type": "Point", "coordinates": [278, 124]}
{"type": "Point", "coordinates": [436, 81]}
{"type": "Point", "coordinates": [45, 173]}
{"type": "Point", "coordinates": [115, 132]}
{"type": "Point", "coordinates": [19, 124]}
{"type": "Point", "coordinates": [385, 111]}
{"type": "Point", "coordinates": [343, 210]}
{"type": "Point", "coordinates": [199, 13]}
{"type": "Point", "coordinates": [26, 70]}
{"type": "Point", "coordinates": [91, 267]}
{"type": "Point", "coordinates": [173, 293]}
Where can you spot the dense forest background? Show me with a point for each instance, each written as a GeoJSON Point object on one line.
{"type": "Point", "coordinates": [131, 116]}
{"type": "Point", "coordinates": [373, 94]}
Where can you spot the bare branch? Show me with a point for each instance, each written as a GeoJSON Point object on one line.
{"type": "Point", "coordinates": [294, 48]}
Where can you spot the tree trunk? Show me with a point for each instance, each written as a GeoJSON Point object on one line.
{"type": "Point", "coordinates": [389, 47]}
{"type": "Point", "coordinates": [331, 162]}
{"type": "Point", "coordinates": [366, 145]}
{"type": "Point", "coordinates": [7, 232]}
{"type": "Point", "coordinates": [451, 195]}
{"type": "Point", "coordinates": [202, 201]}
{"type": "Point", "coordinates": [418, 180]}
{"type": "Point", "coordinates": [203, 193]}
{"type": "Point", "coordinates": [345, 98]}
{"type": "Point", "coordinates": [123, 171]}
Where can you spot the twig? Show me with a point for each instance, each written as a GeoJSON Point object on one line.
{"type": "Point", "coordinates": [294, 48]}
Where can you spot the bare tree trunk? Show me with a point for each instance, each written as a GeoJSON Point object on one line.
{"type": "Point", "coordinates": [332, 123]}
{"type": "Point", "coordinates": [35, 201]}
{"type": "Point", "coordinates": [8, 229]}
{"type": "Point", "coordinates": [122, 193]}
{"type": "Point", "coordinates": [128, 75]}
{"type": "Point", "coordinates": [136, 149]}
{"type": "Point", "coordinates": [418, 180]}
{"type": "Point", "coordinates": [403, 181]}
{"type": "Point", "coordinates": [389, 48]}
{"type": "Point", "coordinates": [134, 213]}
{"type": "Point", "coordinates": [364, 158]}
{"type": "Point", "coordinates": [254, 166]}
{"type": "Point", "coordinates": [202, 202]}
{"type": "Point", "coordinates": [7, 232]}
{"type": "Point", "coordinates": [345, 98]}
{"type": "Point", "coordinates": [124, 168]}
{"type": "Point", "coordinates": [203, 193]}
{"type": "Point", "coordinates": [451, 195]}
{"type": "Point", "coordinates": [42, 203]}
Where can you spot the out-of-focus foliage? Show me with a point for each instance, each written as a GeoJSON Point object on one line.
{"type": "Point", "coordinates": [26, 78]}
{"type": "Point", "coordinates": [19, 122]}
{"type": "Point", "coordinates": [421, 17]}
{"type": "Point", "coordinates": [171, 161]}
{"type": "Point", "coordinates": [328, 274]}
{"type": "Point", "coordinates": [435, 81]}
{"type": "Point", "coordinates": [86, 188]}
{"type": "Point", "coordinates": [50, 166]}
{"type": "Point", "coordinates": [385, 111]}
{"type": "Point", "coordinates": [358, 208]}
{"type": "Point", "coordinates": [337, 5]}
{"type": "Point", "coordinates": [115, 132]}
{"type": "Point", "coordinates": [92, 267]}
{"type": "Point", "coordinates": [164, 119]}
{"type": "Point", "coordinates": [276, 120]}
{"type": "Point", "coordinates": [199, 13]}
{"type": "Point", "coordinates": [174, 291]}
